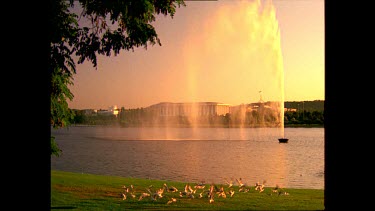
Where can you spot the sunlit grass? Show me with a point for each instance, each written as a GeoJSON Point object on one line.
{"type": "Point", "coordinates": [97, 192]}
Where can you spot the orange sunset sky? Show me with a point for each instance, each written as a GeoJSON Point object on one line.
{"type": "Point", "coordinates": [215, 51]}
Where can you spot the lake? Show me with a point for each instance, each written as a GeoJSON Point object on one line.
{"type": "Point", "coordinates": [210, 155]}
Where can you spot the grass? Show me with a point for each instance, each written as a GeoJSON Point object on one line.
{"type": "Point", "coordinates": [78, 191]}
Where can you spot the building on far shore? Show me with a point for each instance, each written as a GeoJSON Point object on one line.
{"type": "Point", "coordinates": [290, 109]}
{"type": "Point", "coordinates": [112, 110]}
{"type": "Point", "coordinates": [89, 112]}
{"type": "Point", "coordinates": [168, 109]}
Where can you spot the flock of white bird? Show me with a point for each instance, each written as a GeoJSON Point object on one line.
{"type": "Point", "coordinates": [199, 190]}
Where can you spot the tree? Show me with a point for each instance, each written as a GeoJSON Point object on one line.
{"type": "Point", "coordinates": [114, 26]}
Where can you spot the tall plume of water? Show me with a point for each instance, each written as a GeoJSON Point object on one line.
{"type": "Point", "coordinates": [239, 48]}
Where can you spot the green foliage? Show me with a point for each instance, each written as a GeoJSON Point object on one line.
{"type": "Point", "coordinates": [305, 118]}
{"type": "Point", "coordinates": [55, 150]}
{"type": "Point", "coordinates": [129, 27]}
{"type": "Point", "coordinates": [60, 112]}
{"type": "Point", "coordinates": [61, 115]}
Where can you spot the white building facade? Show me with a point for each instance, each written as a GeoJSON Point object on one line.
{"type": "Point", "coordinates": [190, 109]}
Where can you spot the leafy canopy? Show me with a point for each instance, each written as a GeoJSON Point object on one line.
{"type": "Point", "coordinates": [112, 26]}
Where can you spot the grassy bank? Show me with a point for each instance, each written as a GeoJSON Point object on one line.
{"type": "Point", "coordinates": [97, 192]}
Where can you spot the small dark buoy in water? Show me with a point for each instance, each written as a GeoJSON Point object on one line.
{"type": "Point", "coordinates": [283, 140]}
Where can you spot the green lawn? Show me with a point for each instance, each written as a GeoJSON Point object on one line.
{"type": "Point", "coordinates": [97, 192]}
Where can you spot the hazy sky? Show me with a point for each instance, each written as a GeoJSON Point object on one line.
{"type": "Point", "coordinates": [223, 51]}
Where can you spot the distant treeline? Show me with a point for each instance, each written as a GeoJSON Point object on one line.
{"type": "Point", "coordinates": [304, 119]}
{"type": "Point", "coordinates": [316, 105]}
{"type": "Point", "coordinates": [306, 114]}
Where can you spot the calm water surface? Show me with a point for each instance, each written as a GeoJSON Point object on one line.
{"type": "Point", "coordinates": [196, 154]}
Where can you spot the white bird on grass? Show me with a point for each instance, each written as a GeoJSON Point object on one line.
{"type": "Point", "coordinates": [240, 183]}
{"type": "Point", "coordinates": [229, 182]}
{"type": "Point", "coordinates": [231, 192]}
{"type": "Point", "coordinates": [260, 186]}
{"type": "Point", "coordinates": [221, 192]}
{"type": "Point", "coordinates": [169, 189]}
{"type": "Point", "coordinates": [143, 195]}
{"type": "Point", "coordinates": [276, 189]}
{"type": "Point", "coordinates": [211, 193]}
{"type": "Point", "coordinates": [199, 186]}
{"type": "Point", "coordinates": [171, 200]}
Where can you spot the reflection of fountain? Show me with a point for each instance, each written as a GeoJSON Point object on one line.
{"type": "Point", "coordinates": [280, 177]}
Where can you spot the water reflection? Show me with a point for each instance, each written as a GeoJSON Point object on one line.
{"type": "Point", "coordinates": [146, 153]}
{"type": "Point", "coordinates": [280, 163]}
